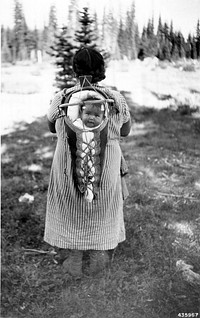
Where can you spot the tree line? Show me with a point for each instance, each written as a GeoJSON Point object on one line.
{"type": "Point", "coordinates": [23, 43]}
{"type": "Point", "coordinates": [118, 36]}
{"type": "Point", "coordinates": [167, 44]}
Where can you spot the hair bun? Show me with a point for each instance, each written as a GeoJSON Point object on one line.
{"type": "Point", "coordinates": [88, 61]}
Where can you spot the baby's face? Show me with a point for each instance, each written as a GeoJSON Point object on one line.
{"type": "Point", "coordinates": [92, 116]}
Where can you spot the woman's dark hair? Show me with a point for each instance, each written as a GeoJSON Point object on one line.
{"type": "Point", "coordinates": [88, 61]}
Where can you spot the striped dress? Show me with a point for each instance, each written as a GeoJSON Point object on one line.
{"type": "Point", "coordinates": [71, 221]}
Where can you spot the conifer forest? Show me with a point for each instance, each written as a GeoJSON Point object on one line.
{"type": "Point", "coordinates": [118, 36]}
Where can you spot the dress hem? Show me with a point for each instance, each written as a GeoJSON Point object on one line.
{"type": "Point", "coordinates": [84, 248]}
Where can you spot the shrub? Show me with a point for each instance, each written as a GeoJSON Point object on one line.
{"type": "Point", "coordinates": [189, 68]}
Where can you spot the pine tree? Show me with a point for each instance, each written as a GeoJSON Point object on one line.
{"type": "Point", "coordinates": [160, 30]}
{"type": "Point", "coordinates": [144, 33]}
{"type": "Point", "coordinates": [167, 46]}
{"type": "Point", "coordinates": [30, 40]}
{"type": "Point", "coordinates": [44, 37]}
{"type": "Point", "coordinates": [34, 42]}
{"type": "Point", "coordinates": [130, 33]}
{"type": "Point", "coordinates": [160, 39]}
{"type": "Point", "coordinates": [148, 45]}
{"type": "Point", "coordinates": [85, 35]}
{"type": "Point", "coordinates": [171, 32]}
{"type": "Point", "coordinates": [193, 48]}
{"type": "Point", "coordinates": [109, 36]}
{"type": "Point", "coordinates": [52, 19]}
{"type": "Point", "coordinates": [150, 28]}
{"type": "Point", "coordinates": [198, 39]}
{"type": "Point", "coordinates": [50, 30]}
{"type": "Point", "coordinates": [151, 38]}
{"type": "Point", "coordinates": [112, 32]}
{"type": "Point", "coordinates": [11, 45]}
{"type": "Point", "coordinates": [143, 45]}
{"type": "Point", "coordinates": [73, 17]}
{"type": "Point", "coordinates": [20, 52]}
{"type": "Point", "coordinates": [5, 50]}
{"type": "Point", "coordinates": [121, 40]}
{"type": "Point", "coordinates": [181, 45]}
{"type": "Point", "coordinates": [103, 33]}
{"type": "Point", "coordinates": [166, 55]}
{"type": "Point", "coordinates": [137, 38]}
{"type": "Point", "coordinates": [166, 31]}
{"type": "Point", "coordinates": [172, 38]}
{"type": "Point", "coordinates": [96, 30]}
{"type": "Point", "coordinates": [188, 46]}
{"type": "Point", "coordinates": [36, 38]}
{"type": "Point", "coordinates": [63, 51]}
{"type": "Point", "coordinates": [165, 40]}
{"type": "Point", "coordinates": [2, 35]}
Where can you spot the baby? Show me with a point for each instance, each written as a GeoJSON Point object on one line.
{"type": "Point", "coordinates": [92, 115]}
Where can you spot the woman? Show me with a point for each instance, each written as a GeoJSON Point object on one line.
{"type": "Point", "coordinates": [72, 223]}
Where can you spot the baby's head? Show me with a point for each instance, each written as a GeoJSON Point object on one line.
{"type": "Point", "coordinates": [92, 114]}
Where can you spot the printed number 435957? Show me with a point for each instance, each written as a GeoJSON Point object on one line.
{"type": "Point", "coordinates": [188, 314]}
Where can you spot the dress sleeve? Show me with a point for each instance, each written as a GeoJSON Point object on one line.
{"type": "Point", "coordinates": [124, 109]}
{"type": "Point", "coordinates": [53, 111]}
{"type": "Point", "coordinates": [121, 105]}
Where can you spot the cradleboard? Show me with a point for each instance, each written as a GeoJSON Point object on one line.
{"type": "Point", "coordinates": [87, 157]}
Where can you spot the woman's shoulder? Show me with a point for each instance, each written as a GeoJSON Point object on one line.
{"type": "Point", "coordinates": [113, 93]}
{"type": "Point", "coordinates": [59, 96]}
{"type": "Point", "coordinates": [118, 98]}
{"type": "Point", "coordinates": [67, 91]}
{"type": "Point", "coordinates": [108, 90]}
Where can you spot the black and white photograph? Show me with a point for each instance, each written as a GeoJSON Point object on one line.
{"type": "Point", "coordinates": [100, 158]}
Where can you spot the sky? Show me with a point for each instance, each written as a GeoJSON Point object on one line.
{"type": "Point", "coordinates": [183, 13]}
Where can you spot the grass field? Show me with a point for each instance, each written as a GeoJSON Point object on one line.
{"type": "Point", "coordinates": [161, 215]}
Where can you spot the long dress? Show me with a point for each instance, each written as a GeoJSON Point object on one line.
{"type": "Point", "coordinates": [71, 221]}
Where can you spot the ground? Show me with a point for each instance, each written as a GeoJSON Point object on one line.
{"type": "Point", "coordinates": [161, 213]}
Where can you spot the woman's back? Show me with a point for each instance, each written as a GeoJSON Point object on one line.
{"type": "Point", "coordinates": [72, 221]}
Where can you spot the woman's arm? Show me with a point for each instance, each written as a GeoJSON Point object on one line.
{"type": "Point", "coordinates": [53, 112]}
{"type": "Point", "coordinates": [125, 129]}
{"type": "Point", "coordinates": [51, 126]}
